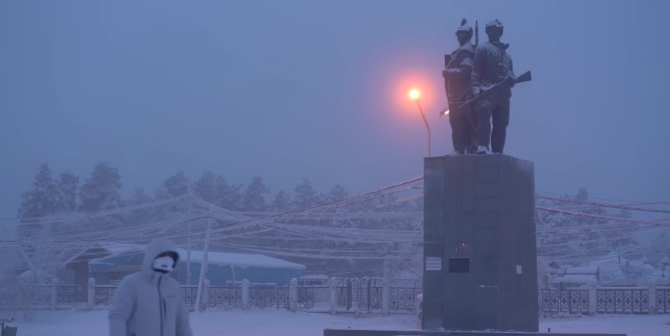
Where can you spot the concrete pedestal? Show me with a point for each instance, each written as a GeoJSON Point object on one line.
{"type": "Point", "coordinates": [480, 268]}
{"type": "Point", "coordinates": [479, 225]}
{"type": "Point", "coordinates": [349, 332]}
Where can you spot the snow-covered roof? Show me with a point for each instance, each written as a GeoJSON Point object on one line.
{"type": "Point", "coordinates": [115, 248]}
{"type": "Point", "coordinates": [608, 260]}
{"type": "Point", "coordinates": [660, 274]}
{"type": "Point", "coordinates": [314, 277]}
{"type": "Point", "coordinates": [409, 275]}
{"type": "Point", "coordinates": [574, 279]}
{"type": "Point", "coordinates": [28, 275]}
{"type": "Point", "coordinates": [238, 260]}
{"type": "Point", "coordinates": [111, 248]}
{"type": "Point", "coordinates": [590, 270]}
{"type": "Point", "coordinates": [610, 268]}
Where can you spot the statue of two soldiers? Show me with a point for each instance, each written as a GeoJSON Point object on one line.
{"type": "Point", "coordinates": [478, 82]}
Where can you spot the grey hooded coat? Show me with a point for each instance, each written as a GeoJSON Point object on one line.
{"type": "Point", "coordinates": [149, 303]}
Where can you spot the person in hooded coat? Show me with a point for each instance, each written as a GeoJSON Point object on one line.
{"type": "Point", "coordinates": [492, 65]}
{"type": "Point", "coordinates": [150, 303]}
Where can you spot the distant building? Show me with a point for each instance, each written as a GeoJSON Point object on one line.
{"type": "Point", "coordinates": [611, 268]}
{"type": "Point", "coordinates": [575, 277]}
{"type": "Point", "coordinates": [589, 270]}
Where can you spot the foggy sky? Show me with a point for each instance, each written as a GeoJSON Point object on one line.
{"type": "Point", "coordinates": [286, 89]}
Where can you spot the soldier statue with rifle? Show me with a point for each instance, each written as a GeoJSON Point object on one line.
{"type": "Point", "coordinates": [492, 82]}
{"type": "Point", "coordinates": [457, 82]}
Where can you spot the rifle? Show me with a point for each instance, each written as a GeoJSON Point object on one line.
{"type": "Point", "coordinates": [507, 83]}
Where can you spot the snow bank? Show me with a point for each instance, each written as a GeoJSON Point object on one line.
{"type": "Point", "coordinates": [282, 323]}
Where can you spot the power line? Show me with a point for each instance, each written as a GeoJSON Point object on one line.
{"type": "Point", "coordinates": [601, 205]}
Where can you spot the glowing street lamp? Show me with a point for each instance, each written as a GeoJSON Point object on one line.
{"type": "Point", "coordinates": [414, 94]}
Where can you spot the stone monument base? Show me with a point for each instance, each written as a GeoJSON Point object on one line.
{"type": "Point", "coordinates": [349, 332]}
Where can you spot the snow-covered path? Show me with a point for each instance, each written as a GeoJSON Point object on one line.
{"type": "Point", "coordinates": [282, 323]}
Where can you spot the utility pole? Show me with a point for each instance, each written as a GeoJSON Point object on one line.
{"type": "Point", "coordinates": [188, 251]}
{"type": "Point", "coordinates": [204, 261]}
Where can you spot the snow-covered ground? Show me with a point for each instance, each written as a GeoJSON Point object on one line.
{"type": "Point", "coordinates": [283, 323]}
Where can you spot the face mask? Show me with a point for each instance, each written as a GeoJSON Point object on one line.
{"type": "Point", "coordinates": [163, 264]}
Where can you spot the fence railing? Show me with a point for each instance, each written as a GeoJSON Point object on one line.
{"type": "Point", "coordinates": [342, 295]}
{"type": "Point", "coordinates": [65, 295]}
{"type": "Point", "coordinates": [314, 298]}
{"type": "Point", "coordinates": [223, 297]}
{"type": "Point", "coordinates": [606, 300]}
{"type": "Point", "coordinates": [404, 298]}
{"type": "Point", "coordinates": [663, 300]}
{"type": "Point", "coordinates": [27, 297]}
{"type": "Point", "coordinates": [337, 295]}
{"type": "Point", "coordinates": [189, 293]}
{"type": "Point", "coordinates": [622, 301]}
{"type": "Point", "coordinates": [269, 297]}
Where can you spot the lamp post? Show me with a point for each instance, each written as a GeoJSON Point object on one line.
{"type": "Point", "coordinates": [414, 94]}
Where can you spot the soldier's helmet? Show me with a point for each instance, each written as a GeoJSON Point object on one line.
{"type": "Point", "coordinates": [494, 24]}
{"type": "Point", "coordinates": [465, 27]}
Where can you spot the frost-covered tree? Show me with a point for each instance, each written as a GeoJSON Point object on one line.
{"type": "Point", "coordinates": [101, 190]}
{"type": "Point", "coordinates": [659, 249]}
{"type": "Point", "coordinates": [281, 203]}
{"type": "Point", "coordinates": [138, 197]}
{"type": "Point", "coordinates": [229, 196]}
{"type": "Point", "coordinates": [254, 196]}
{"type": "Point", "coordinates": [336, 193]}
{"type": "Point", "coordinates": [176, 185]}
{"type": "Point", "coordinates": [138, 216]}
{"type": "Point", "coordinates": [305, 195]}
{"type": "Point", "coordinates": [68, 185]}
{"type": "Point", "coordinates": [205, 187]}
{"type": "Point", "coordinates": [44, 199]}
{"type": "Point", "coordinates": [214, 189]}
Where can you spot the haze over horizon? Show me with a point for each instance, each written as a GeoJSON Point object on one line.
{"type": "Point", "coordinates": [287, 89]}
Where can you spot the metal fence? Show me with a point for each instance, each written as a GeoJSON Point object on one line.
{"type": "Point", "coordinates": [663, 301]}
{"type": "Point", "coordinates": [269, 297]}
{"type": "Point", "coordinates": [224, 296]}
{"type": "Point", "coordinates": [403, 298]}
{"type": "Point", "coordinates": [26, 296]}
{"type": "Point", "coordinates": [189, 293]}
{"type": "Point", "coordinates": [315, 298]}
{"type": "Point", "coordinates": [104, 295]}
{"type": "Point", "coordinates": [65, 295]}
{"type": "Point", "coordinates": [565, 301]}
{"type": "Point", "coordinates": [36, 296]}
{"type": "Point", "coordinates": [632, 300]}
{"type": "Point", "coordinates": [622, 301]}
{"type": "Point", "coordinates": [363, 295]}
{"type": "Point", "coordinates": [351, 295]}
